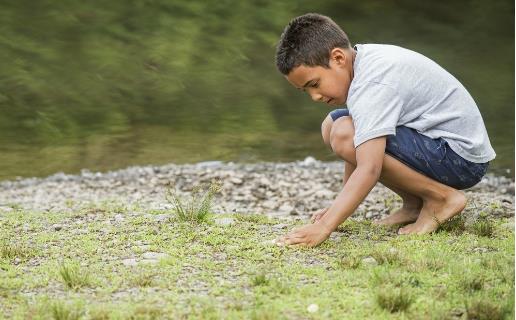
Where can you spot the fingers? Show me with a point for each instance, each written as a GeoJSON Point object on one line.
{"type": "Point", "coordinates": [318, 215]}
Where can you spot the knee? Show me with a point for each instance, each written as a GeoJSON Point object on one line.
{"type": "Point", "coordinates": [341, 139]}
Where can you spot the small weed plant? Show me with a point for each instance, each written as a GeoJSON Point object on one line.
{"type": "Point", "coordinates": [61, 311]}
{"type": "Point", "coordinates": [394, 299]}
{"type": "Point", "coordinates": [456, 225]}
{"type": "Point", "coordinates": [73, 276]}
{"type": "Point", "coordinates": [12, 251]}
{"type": "Point", "coordinates": [483, 228]}
{"type": "Point", "coordinates": [483, 309]}
{"type": "Point", "coordinates": [260, 280]}
{"type": "Point", "coordinates": [198, 207]}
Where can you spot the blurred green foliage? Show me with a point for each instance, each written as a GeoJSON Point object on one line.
{"type": "Point", "coordinates": [102, 85]}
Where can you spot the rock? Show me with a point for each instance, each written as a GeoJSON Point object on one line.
{"type": "Point", "coordinates": [225, 221]}
{"type": "Point", "coordinates": [154, 255]}
{"type": "Point", "coordinates": [280, 226]}
{"type": "Point", "coordinates": [129, 262]}
{"type": "Point", "coordinates": [149, 261]}
{"type": "Point", "coordinates": [6, 209]}
{"type": "Point", "coordinates": [286, 208]}
{"type": "Point", "coordinates": [236, 181]}
{"type": "Point", "coordinates": [309, 161]}
{"type": "Point", "coordinates": [313, 308]}
{"type": "Point", "coordinates": [161, 218]}
{"type": "Point", "coordinates": [393, 250]}
{"type": "Point", "coordinates": [119, 217]}
{"type": "Point", "coordinates": [57, 227]}
{"type": "Point", "coordinates": [324, 194]}
{"type": "Point", "coordinates": [370, 261]}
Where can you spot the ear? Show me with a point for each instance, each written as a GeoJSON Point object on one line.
{"type": "Point", "coordinates": [338, 56]}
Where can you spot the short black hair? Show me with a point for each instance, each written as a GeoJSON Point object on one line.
{"type": "Point", "coordinates": [308, 40]}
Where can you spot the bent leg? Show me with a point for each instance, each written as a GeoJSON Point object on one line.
{"type": "Point", "coordinates": [439, 202]}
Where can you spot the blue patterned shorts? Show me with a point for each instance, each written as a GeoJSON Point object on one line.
{"type": "Point", "coordinates": [432, 157]}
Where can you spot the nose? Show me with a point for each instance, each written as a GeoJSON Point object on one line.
{"type": "Point", "coordinates": [316, 96]}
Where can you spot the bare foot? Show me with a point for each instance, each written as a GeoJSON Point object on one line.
{"type": "Point", "coordinates": [434, 213]}
{"type": "Point", "coordinates": [400, 216]}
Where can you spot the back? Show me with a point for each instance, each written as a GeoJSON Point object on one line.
{"type": "Point", "coordinates": [393, 86]}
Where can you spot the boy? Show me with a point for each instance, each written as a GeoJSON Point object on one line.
{"type": "Point", "coordinates": [409, 124]}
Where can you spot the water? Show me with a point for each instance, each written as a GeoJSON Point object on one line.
{"type": "Point", "coordinates": [108, 85]}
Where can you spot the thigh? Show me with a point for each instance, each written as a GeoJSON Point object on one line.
{"type": "Point", "coordinates": [433, 158]}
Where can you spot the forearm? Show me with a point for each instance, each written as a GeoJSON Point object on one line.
{"type": "Point", "coordinates": [359, 184]}
{"type": "Point", "coordinates": [348, 170]}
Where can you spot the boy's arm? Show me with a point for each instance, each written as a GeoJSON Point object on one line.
{"type": "Point", "coordinates": [369, 156]}
{"type": "Point", "coordinates": [363, 178]}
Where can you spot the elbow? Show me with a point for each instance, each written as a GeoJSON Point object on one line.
{"type": "Point", "coordinates": [372, 171]}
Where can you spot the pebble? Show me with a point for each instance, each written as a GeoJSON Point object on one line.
{"type": "Point", "coordinates": [129, 262]}
{"type": "Point", "coordinates": [154, 255]}
{"type": "Point", "coordinates": [292, 190]}
{"type": "Point", "coordinates": [369, 261]}
{"type": "Point", "coordinates": [225, 221]}
{"type": "Point", "coordinates": [57, 227]}
{"type": "Point", "coordinates": [313, 308]}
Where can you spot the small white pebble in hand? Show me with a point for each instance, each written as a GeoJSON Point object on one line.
{"type": "Point", "coordinates": [313, 308]}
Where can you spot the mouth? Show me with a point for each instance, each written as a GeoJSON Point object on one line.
{"type": "Point", "coordinates": [329, 101]}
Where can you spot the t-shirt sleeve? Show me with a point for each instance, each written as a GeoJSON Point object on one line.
{"type": "Point", "coordinates": [375, 109]}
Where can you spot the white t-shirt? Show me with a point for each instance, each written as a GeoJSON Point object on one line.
{"type": "Point", "coordinates": [393, 86]}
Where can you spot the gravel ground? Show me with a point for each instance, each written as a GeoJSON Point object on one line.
{"type": "Point", "coordinates": [291, 190]}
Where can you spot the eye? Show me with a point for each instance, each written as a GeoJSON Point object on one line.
{"type": "Point", "coordinates": [315, 85]}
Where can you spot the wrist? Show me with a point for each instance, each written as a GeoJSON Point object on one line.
{"type": "Point", "coordinates": [327, 227]}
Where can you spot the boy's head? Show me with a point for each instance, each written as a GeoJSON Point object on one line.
{"type": "Point", "coordinates": [315, 55]}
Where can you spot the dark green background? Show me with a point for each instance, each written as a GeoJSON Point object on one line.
{"type": "Point", "coordinates": [108, 84]}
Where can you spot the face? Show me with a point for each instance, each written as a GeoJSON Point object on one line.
{"type": "Point", "coordinates": [327, 85]}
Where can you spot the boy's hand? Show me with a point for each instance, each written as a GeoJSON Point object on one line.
{"type": "Point", "coordinates": [310, 235]}
{"type": "Point", "coordinates": [318, 215]}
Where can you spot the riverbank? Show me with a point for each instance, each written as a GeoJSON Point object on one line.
{"type": "Point", "coordinates": [108, 246]}
{"type": "Point", "coordinates": [289, 190]}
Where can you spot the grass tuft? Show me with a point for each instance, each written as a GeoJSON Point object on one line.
{"type": "Point", "coordinates": [73, 276]}
{"type": "Point", "coordinates": [198, 207]}
{"type": "Point", "coordinates": [394, 299]}
{"type": "Point", "coordinates": [483, 228]}
{"type": "Point", "coordinates": [483, 309]}
{"type": "Point", "coordinates": [260, 280]}
{"type": "Point", "coordinates": [62, 311]}
{"type": "Point", "coordinates": [471, 282]}
{"type": "Point", "coordinates": [13, 251]}
{"type": "Point", "coordinates": [351, 262]}
{"type": "Point", "coordinates": [143, 279]}
{"type": "Point", "coordinates": [389, 256]}
{"type": "Point", "coordinates": [456, 225]}
{"type": "Point", "coordinates": [146, 313]}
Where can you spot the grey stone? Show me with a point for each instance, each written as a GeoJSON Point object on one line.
{"type": "Point", "coordinates": [162, 217]}
{"type": "Point", "coordinates": [154, 255]}
{"type": "Point", "coordinates": [129, 262]}
{"type": "Point", "coordinates": [57, 227]}
{"type": "Point", "coordinates": [225, 221]}
{"type": "Point", "coordinates": [370, 261]}
{"type": "Point", "coordinates": [280, 226]}
{"type": "Point", "coordinates": [286, 208]}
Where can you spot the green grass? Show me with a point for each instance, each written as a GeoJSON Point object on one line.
{"type": "Point", "coordinates": [73, 276]}
{"type": "Point", "coordinates": [394, 299]}
{"type": "Point", "coordinates": [198, 207]}
{"type": "Point", "coordinates": [233, 272]}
